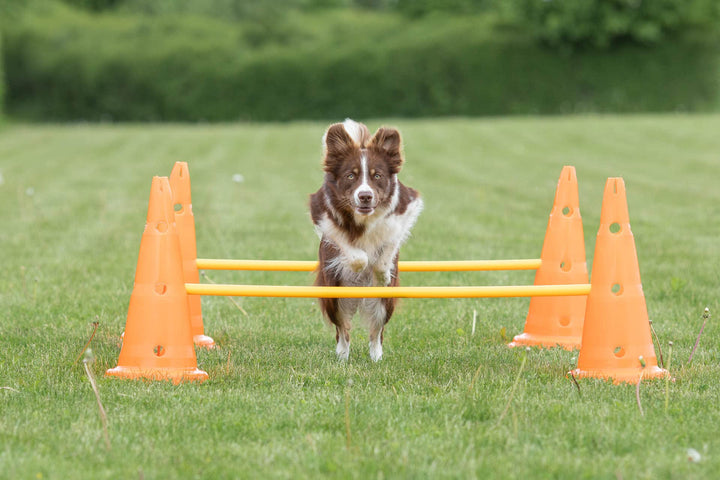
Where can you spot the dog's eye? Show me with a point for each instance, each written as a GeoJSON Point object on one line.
{"type": "Point", "coordinates": [377, 176]}
{"type": "Point", "coordinates": [351, 176]}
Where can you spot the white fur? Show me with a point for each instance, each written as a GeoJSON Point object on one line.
{"type": "Point", "coordinates": [376, 350]}
{"type": "Point", "coordinates": [384, 234]}
{"type": "Point", "coordinates": [354, 129]}
{"type": "Point", "coordinates": [343, 348]}
{"type": "Point", "coordinates": [374, 312]}
{"type": "Point", "coordinates": [355, 258]}
{"type": "Point", "coordinates": [365, 185]}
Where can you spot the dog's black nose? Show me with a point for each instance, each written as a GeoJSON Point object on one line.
{"type": "Point", "coordinates": [365, 197]}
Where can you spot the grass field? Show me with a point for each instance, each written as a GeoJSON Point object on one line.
{"type": "Point", "coordinates": [278, 404]}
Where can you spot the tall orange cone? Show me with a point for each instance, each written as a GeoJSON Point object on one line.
{"type": "Point", "coordinates": [616, 340]}
{"type": "Point", "coordinates": [185, 222]}
{"type": "Point", "coordinates": [553, 321]}
{"type": "Point", "coordinates": [158, 343]}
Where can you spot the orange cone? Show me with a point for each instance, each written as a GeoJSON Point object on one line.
{"type": "Point", "coordinates": [555, 321]}
{"type": "Point", "coordinates": [185, 222]}
{"type": "Point", "coordinates": [617, 332]}
{"type": "Point", "coordinates": [157, 343]}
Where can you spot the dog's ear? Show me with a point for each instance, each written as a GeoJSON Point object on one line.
{"type": "Point", "coordinates": [336, 144]}
{"type": "Point", "coordinates": [387, 141]}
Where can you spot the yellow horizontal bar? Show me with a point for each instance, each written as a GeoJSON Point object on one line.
{"type": "Point", "coordinates": [387, 292]}
{"type": "Point", "coordinates": [257, 265]}
{"type": "Point", "coordinates": [404, 266]}
{"type": "Point", "coordinates": [469, 265]}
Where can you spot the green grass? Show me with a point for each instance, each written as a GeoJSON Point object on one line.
{"type": "Point", "coordinates": [74, 200]}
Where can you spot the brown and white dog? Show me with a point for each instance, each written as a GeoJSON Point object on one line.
{"type": "Point", "coordinates": [362, 214]}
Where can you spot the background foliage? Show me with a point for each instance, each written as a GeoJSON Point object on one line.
{"type": "Point", "coordinates": [224, 60]}
{"type": "Point", "coordinates": [608, 23]}
{"type": "Point", "coordinates": [2, 82]}
{"type": "Point", "coordinates": [590, 23]}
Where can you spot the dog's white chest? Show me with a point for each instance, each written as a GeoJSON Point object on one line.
{"type": "Point", "coordinates": [390, 230]}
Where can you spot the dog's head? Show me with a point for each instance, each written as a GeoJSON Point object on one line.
{"type": "Point", "coordinates": [361, 170]}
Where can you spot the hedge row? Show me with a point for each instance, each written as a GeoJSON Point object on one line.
{"type": "Point", "coordinates": [2, 83]}
{"type": "Point", "coordinates": [189, 69]}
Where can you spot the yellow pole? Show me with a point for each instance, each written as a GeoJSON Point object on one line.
{"type": "Point", "coordinates": [387, 292]}
{"type": "Point", "coordinates": [405, 266]}
{"type": "Point", "coordinates": [257, 265]}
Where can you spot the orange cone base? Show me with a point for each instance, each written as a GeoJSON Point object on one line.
{"type": "Point", "coordinates": [545, 341]}
{"type": "Point", "coordinates": [176, 375]}
{"type": "Point", "coordinates": [203, 341]}
{"type": "Point", "coordinates": [618, 375]}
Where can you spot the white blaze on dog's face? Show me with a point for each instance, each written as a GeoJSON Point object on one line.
{"type": "Point", "coordinates": [361, 171]}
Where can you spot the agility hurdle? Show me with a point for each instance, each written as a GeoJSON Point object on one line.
{"type": "Point", "coordinates": [555, 316]}
{"type": "Point", "coordinates": [403, 266]}
{"type": "Point", "coordinates": [167, 289]}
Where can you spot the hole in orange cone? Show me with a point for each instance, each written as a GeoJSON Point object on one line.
{"type": "Point", "coordinates": [565, 266]}
{"type": "Point", "coordinates": [159, 350]}
{"type": "Point", "coordinates": [161, 289]}
{"type": "Point", "coordinates": [619, 352]}
{"type": "Point", "coordinates": [615, 228]}
{"type": "Point", "coordinates": [616, 289]}
{"type": "Point", "coordinates": [567, 211]}
{"type": "Point", "coordinates": [161, 227]}
{"type": "Point", "coordinates": [178, 207]}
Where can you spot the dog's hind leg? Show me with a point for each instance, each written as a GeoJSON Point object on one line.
{"type": "Point", "coordinates": [340, 313]}
{"type": "Point", "coordinates": [377, 311]}
{"type": "Point", "coordinates": [376, 349]}
{"type": "Point", "coordinates": [342, 349]}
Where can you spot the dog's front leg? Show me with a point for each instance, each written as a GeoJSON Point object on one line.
{"type": "Point", "coordinates": [383, 267]}
{"type": "Point", "coordinates": [357, 259]}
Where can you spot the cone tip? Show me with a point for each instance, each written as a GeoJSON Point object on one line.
{"type": "Point", "coordinates": [615, 186]}
{"type": "Point", "coordinates": [160, 208]}
{"type": "Point", "coordinates": [614, 206]}
{"type": "Point", "coordinates": [568, 174]}
{"type": "Point", "coordinates": [160, 183]}
{"type": "Point", "coordinates": [180, 183]}
{"type": "Point", "coordinates": [566, 194]}
{"type": "Point", "coordinates": [180, 169]}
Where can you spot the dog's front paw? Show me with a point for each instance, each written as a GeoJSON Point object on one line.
{"type": "Point", "coordinates": [383, 272]}
{"type": "Point", "coordinates": [358, 261]}
{"type": "Point", "coordinates": [383, 277]}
